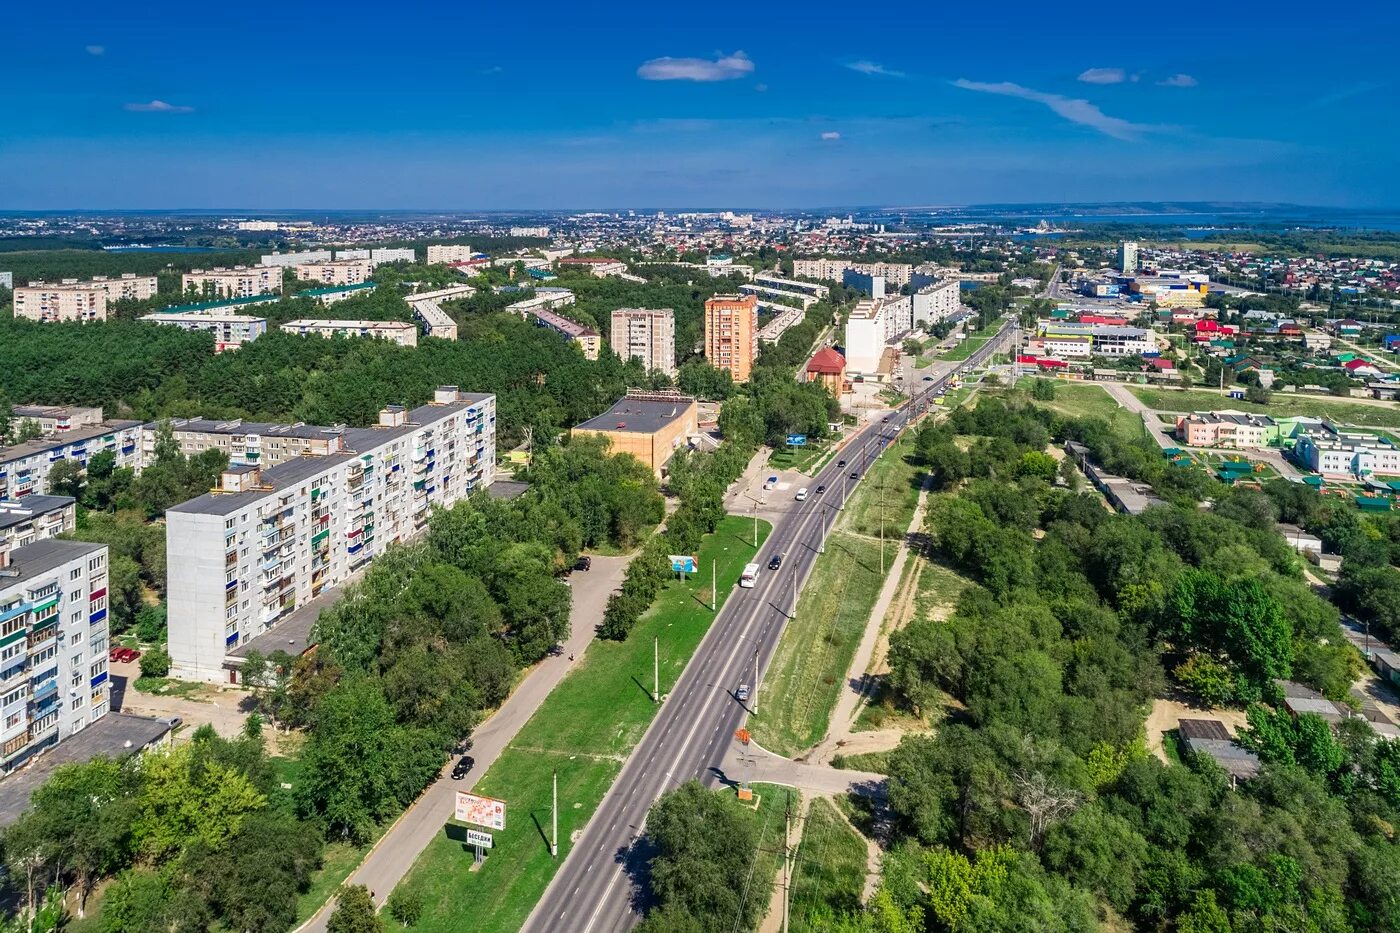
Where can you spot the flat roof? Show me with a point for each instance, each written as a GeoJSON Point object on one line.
{"type": "Point", "coordinates": [78, 434]}
{"type": "Point", "coordinates": [16, 511]}
{"type": "Point", "coordinates": [166, 317]}
{"type": "Point", "coordinates": [116, 735]}
{"type": "Point", "coordinates": [35, 560]}
{"type": "Point", "coordinates": [237, 426]}
{"type": "Point", "coordinates": [639, 416]}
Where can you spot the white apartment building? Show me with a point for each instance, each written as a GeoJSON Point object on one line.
{"type": "Point", "coordinates": [230, 331]}
{"type": "Point", "coordinates": [238, 282]}
{"type": "Point", "coordinates": [760, 290]}
{"type": "Point", "coordinates": [129, 286]}
{"type": "Point", "coordinates": [1070, 339]}
{"type": "Point", "coordinates": [427, 309]}
{"type": "Point", "coordinates": [53, 645]}
{"type": "Point", "coordinates": [791, 285]}
{"type": "Point", "coordinates": [339, 272]}
{"type": "Point", "coordinates": [647, 334]}
{"type": "Point", "coordinates": [400, 332]}
{"type": "Point", "coordinates": [57, 419]}
{"type": "Point", "coordinates": [897, 274]}
{"type": "Point", "coordinates": [245, 443]}
{"type": "Point", "coordinates": [34, 518]}
{"type": "Point", "coordinates": [293, 259]}
{"type": "Point", "coordinates": [47, 304]}
{"type": "Point", "coordinates": [7, 280]}
{"type": "Point", "coordinates": [392, 254]}
{"type": "Point", "coordinates": [1128, 257]}
{"type": "Point", "coordinates": [1345, 452]}
{"type": "Point", "coordinates": [449, 252]}
{"type": "Point", "coordinates": [24, 468]}
{"type": "Point", "coordinates": [936, 302]}
{"type": "Point", "coordinates": [866, 327]}
{"type": "Point", "coordinates": [530, 231]}
{"type": "Point", "coordinates": [243, 557]}
{"type": "Point", "coordinates": [258, 226]}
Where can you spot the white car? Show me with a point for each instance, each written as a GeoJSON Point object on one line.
{"type": "Point", "coordinates": [802, 494]}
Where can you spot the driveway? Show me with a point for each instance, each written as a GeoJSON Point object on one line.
{"type": "Point", "coordinates": [391, 858]}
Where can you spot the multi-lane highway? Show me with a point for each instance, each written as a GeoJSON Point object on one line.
{"type": "Point", "coordinates": [594, 891]}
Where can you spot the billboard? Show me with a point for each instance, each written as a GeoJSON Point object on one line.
{"type": "Point", "coordinates": [476, 837]}
{"type": "Point", "coordinates": [483, 811]}
{"type": "Point", "coordinates": [682, 563]}
{"type": "Point", "coordinates": [797, 440]}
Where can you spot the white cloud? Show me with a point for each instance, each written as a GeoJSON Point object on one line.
{"type": "Point", "coordinates": [95, 49]}
{"type": "Point", "coordinates": [1072, 109]}
{"type": "Point", "coordinates": [723, 68]}
{"type": "Point", "coordinates": [1178, 81]}
{"type": "Point", "coordinates": [1103, 76]}
{"type": "Point", "coordinates": [159, 106]}
{"type": "Point", "coordinates": [874, 68]}
{"type": "Point", "coordinates": [831, 136]}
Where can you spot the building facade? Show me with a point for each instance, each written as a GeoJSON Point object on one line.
{"type": "Point", "coordinates": [936, 302]}
{"type": "Point", "coordinates": [230, 331]}
{"type": "Point", "coordinates": [281, 260]}
{"type": "Point", "coordinates": [24, 468]}
{"type": "Point", "coordinates": [828, 368]}
{"type": "Point", "coordinates": [48, 304]}
{"type": "Point", "coordinates": [449, 252]}
{"type": "Point", "coordinates": [731, 334]}
{"type": "Point", "coordinates": [245, 443]}
{"type": "Point", "coordinates": [1346, 453]}
{"type": "Point", "coordinates": [650, 426]}
{"type": "Point", "coordinates": [1234, 429]}
{"type": "Point", "coordinates": [400, 332]}
{"type": "Point", "coordinates": [865, 336]}
{"type": "Point", "coordinates": [245, 556]}
{"type": "Point", "coordinates": [1128, 257]}
{"type": "Point", "coordinates": [238, 282]}
{"type": "Point", "coordinates": [53, 645]}
{"type": "Point", "coordinates": [339, 272]}
{"type": "Point", "coordinates": [392, 254]}
{"type": "Point", "coordinates": [35, 518]}
{"type": "Point", "coordinates": [897, 274]}
{"type": "Point", "coordinates": [646, 334]}
{"type": "Point", "coordinates": [57, 419]}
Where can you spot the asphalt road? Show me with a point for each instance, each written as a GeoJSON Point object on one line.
{"type": "Point", "coordinates": [598, 887]}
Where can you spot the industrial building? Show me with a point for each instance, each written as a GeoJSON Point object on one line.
{"type": "Point", "coordinates": [731, 334]}
{"type": "Point", "coordinates": [53, 645]}
{"type": "Point", "coordinates": [646, 334]}
{"type": "Point", "coordinates": [650, 426]}
{"type": "Point", "coordinates": [1066, 340]}
{"type": "Point", "coordinates": [245, 556]}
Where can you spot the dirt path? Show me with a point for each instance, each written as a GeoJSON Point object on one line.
{"type": "Point", "coordinates": [773, 920]}
{"type": "Point", "coordinates": [1167, 710]}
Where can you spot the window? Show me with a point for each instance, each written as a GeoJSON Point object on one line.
{"type": "Point", "coordinates": [77, 678]}
{"type": "Point", "coordinates": [96, 563]}
{"type": "Point", "coordinates": [98, 603]}
{"type": "Point", "coordinates": [75, 595]}
{"type": "Point", "coordinates": [13, 720]}
{"type": "Point", "coordinates": [228, 525]}
{"type": "Point", "coordinates": [77, 659]}
{"type": "Point", "coordinates": [75, 574]}
{"type": "Point", "coordinates": [97, 667]}
{"type": "Point", "coordinates": [76, 617]}
{"type": "Point", "coordinates": [99, 645]}
{"type": "Point", "coordinates": [78, 703]}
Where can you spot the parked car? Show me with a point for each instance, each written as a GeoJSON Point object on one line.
{"type": "Point", "coordinates": [584, 562]}
{"type": "Point", "coordinates": [742, 694]}
{"type": "Point", "coordinates": [463, 765]}
{"type": "Point", "coordinates": [775, 562]}
{"type": "Point", "coordinates": [112, 655]}
{"type": "Point", "coordinates": [771, 483]}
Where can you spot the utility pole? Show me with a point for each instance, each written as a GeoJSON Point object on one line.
{"type": "Point", "coordinates": [793, 613]}
{"type": "Point", "coordinates": [554, 845]}
{"type": "Point", "coordinates": [755, 523]}
{"type": "Point", "coordinates": [656, 668]}
{"type": "Point", "coordinates": [714, 589]}
{"type": "Point", "coordinates": [787, 859]}
{"type": "Point", "coordinates": [821, 543]}
{"type": "Point", "coordinates": [882, 526]}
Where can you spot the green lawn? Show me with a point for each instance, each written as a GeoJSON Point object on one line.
{"type": "Point", "coordinates": [879, 762]}
{"type": "Point", "coordinates": [1282, 404]}
{"type": "Point", "coordinates": [585, 730]}
{"type": "Point", "coordinates": [1081, 400]}
{"type": "Point", "coordinates": [817, 646]}
{"type": "Point", "coordinates": [974, 340]}
{"type": "Point", "coordinates": [830, 874]}
{"type": "Point", "coordinates": [802, 459]}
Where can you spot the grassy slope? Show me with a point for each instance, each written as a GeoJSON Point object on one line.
{"type": "Point", "coordinates": [830, 872]}
{"type": "Point", "coordinates": [1282, 404]}
{"type": "Point", "coordinates": [817, 646]}
{"type": "Point", "coordinates": [585, 729]}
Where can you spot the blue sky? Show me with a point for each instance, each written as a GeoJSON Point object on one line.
{"type": "Point", "coordinates": [543, 105]}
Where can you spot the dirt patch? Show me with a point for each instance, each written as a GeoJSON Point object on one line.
{"type": "Point", "coordinates": [1166, 711]}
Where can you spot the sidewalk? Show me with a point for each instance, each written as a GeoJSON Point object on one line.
{"type": "Point", "coordinates": [392, 857]}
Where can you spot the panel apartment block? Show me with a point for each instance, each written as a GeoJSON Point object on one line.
{"type": "Point", "coordinates": [24, 468]}
{"type": "Point", "coordinates": [238, 282]}
{"type": "Point", "coordinates": [34, 518]}
{"type": "Point", "coordinates": [646, 334]}
{"type": "Point", "coordinates": [245, 556]}
{"type": "Point", "coordinates": [53, 645]}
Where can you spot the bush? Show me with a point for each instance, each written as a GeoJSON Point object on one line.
{"type": "Point", "coordinates": [155, 663]}
{"type": "Point", "coordinates": [405, 906]}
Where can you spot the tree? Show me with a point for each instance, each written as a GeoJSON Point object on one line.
{"type": "Point", "coordinates": [66, 479]}
{"type": "Point", "coordinates": [405, 906]}
{"type": "Point", "coordinates": [354, 912]}
{"type": "Point", "coordinates": [188, 797]}
{"type": "Point", "coordinates": [155, 662]}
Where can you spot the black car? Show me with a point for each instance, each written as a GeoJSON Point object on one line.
{"type": "Point", "coordinates": [855, 474]}
{"type": "Point", "coordinates": [840, 463]}
{"type": "Point", "coordinates": [820, 490]}
{"type": "Point", "coordinates": [463, 765]}
{"type": "Point", "coordinates": [583, 563]}
{"type": "Point", "coordinates": [775, 562]}
{"type": "Point", "coordinates": [885, 420]}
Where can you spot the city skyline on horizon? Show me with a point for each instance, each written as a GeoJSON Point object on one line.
{"type": "Point", "coordinates": [654, 106]}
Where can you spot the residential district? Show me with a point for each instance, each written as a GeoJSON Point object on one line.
{"type": "Point", "coordinates": [497, 573]}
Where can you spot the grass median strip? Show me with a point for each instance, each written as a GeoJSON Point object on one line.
{"type": "Point", "coordinates": [817, 646]}
{"type": "Point", "coordinates": [585, 729]}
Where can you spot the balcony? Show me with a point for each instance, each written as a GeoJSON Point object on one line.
{"type": "Point", "coordinates": [98, 616]}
